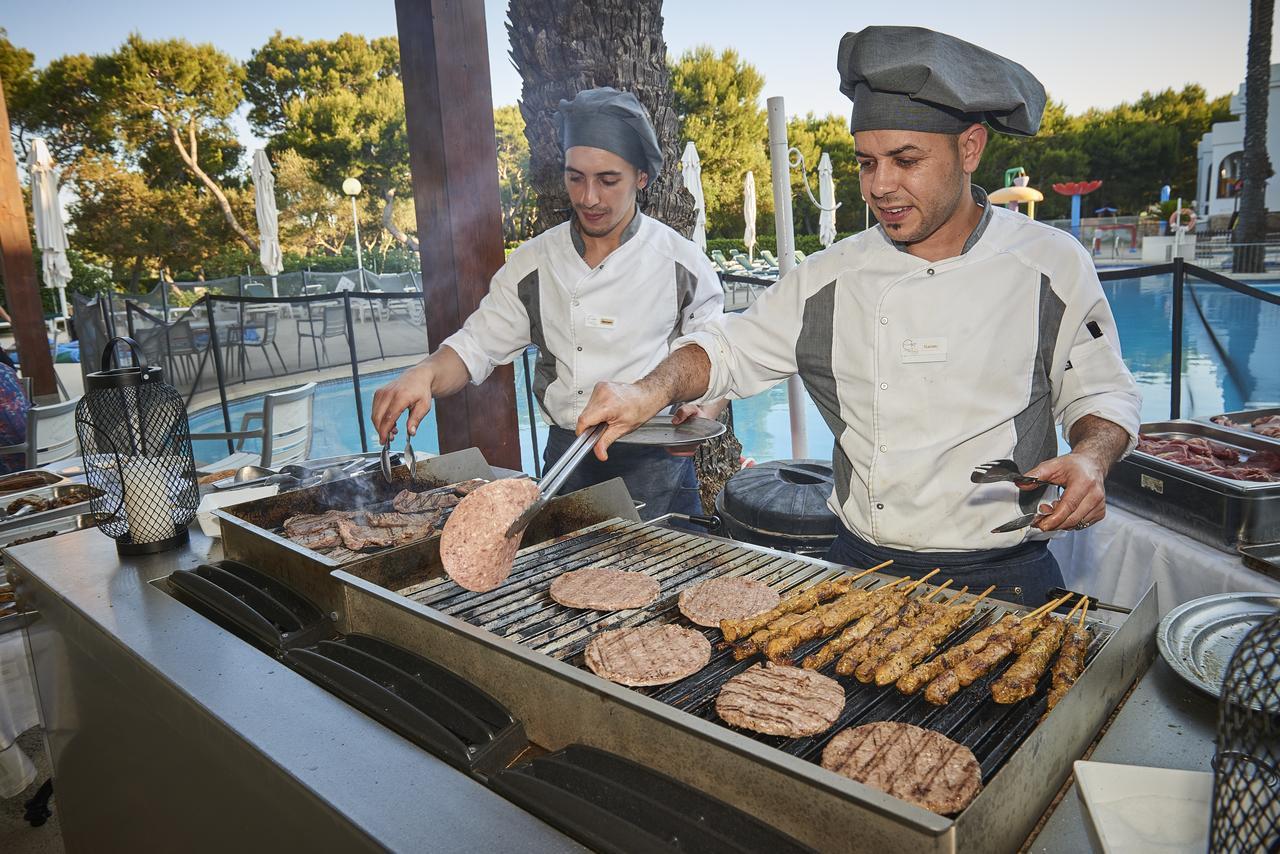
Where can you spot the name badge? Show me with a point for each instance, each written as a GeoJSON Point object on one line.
{"type": "Point", "coordinates": [597, 321]}
{"type": "Point", "coordinates": [924, 350]}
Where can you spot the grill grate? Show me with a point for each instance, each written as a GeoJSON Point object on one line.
{"type": "Point", "coordinates": [521, 610]}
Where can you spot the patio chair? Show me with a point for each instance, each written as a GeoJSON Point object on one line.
{"type": "Point", "coordinates": [332, 324]}
{"type": "Point", "coordinates": [263, 335]}
{"type": "Point", "coordinates": [256, 289]}
{"type": "Point", "coordinates": [51, 434]}
{"type": "Point", "coordinates": [769, 258]}
{"type": "Point", "coordinates": [181, 350]}
{"type": "Point", "coordinates": [800, 256]}
{"type": "Point", "coordinates": [285, 431]}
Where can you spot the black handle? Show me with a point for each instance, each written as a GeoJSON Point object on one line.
{"type": "Point", "coordinates": [1093, 604]}
{"type": "Point", "coordinates": [135, 349]}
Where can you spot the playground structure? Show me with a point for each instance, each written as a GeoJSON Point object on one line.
{"type": "Point", "coordinates": [1076, 189]}
{"type": "Point", "coordinates": [1016, 192]}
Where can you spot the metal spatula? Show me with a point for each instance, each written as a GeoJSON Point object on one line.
{"type": "Point", "coordinates": [557, 475]}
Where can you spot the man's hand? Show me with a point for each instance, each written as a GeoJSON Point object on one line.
{"type": "Point", "coordinates": [411, 390]}
{"type": "Point", "coordinates": [690, 410]}
{"type": "Point", "coordinates": [623, 406]}
{"type": "Point", "coordinates": [1084, 499]}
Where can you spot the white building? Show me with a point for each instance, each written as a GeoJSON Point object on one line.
{"type": "Point", "coordinates": [1221, 155]}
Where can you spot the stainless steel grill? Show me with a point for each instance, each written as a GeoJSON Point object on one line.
{"type": "Point", "coordinates": [522, 611]}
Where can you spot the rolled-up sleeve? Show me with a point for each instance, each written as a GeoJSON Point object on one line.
{"type": "Point", "coordinates": [754, 350]}
{"type": "Point", "coordinates": [1094, 379]}
{"type": "Point", "coordinates": [496, 332]}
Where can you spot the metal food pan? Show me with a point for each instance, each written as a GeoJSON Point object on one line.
{"type": "Point", "coordinates": [39, 477]}
{"type": "Point", "coordinates": [1245, 442]}
{"type": "Point", "coordinates": [54, 526]}
{"type": "Point", "coordinates": [12, 523]}
{"type": "Point", "coordinates": [1245, 416]}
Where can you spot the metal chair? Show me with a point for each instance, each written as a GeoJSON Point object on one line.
{"type": "Point", "coordinates": [263, 335]}
{"type": "Point", "coordinates": [51, 433]}
{"type": "Point", "coordinates": [285, 432]}
{"type": "Point", "coordinates": [333, 324]}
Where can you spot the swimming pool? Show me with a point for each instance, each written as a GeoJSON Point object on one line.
{"type": "Point", "coordinates": [1231, 363]}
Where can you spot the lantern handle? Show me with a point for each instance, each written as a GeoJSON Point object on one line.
{"type": "Point", "coordinates": [109, 354]}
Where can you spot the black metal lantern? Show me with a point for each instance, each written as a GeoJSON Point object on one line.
{"type": "Point", "coordinates": [136, 443]}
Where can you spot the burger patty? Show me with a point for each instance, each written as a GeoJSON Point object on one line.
{"type": "Point", "coordinates": [780, 700]}
{"type": "Point", "coordinates": [604, 589]}
{"type": "Point", "coordinates": [648, 655]}
{"type": "Point", "coordinates": [474, 548]}
{"type": "Point", "coordinates": [917, 765]}
{"type": "Point", "coordinates": [726, 599]}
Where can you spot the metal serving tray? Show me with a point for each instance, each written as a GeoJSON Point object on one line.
{"type": "Point", "coordinates": [1220, 512]}
{"type": "Point", "coordinates": [1245, 416]}
{"type": "Point", "coordinates": [41, 477]}
{"type": "Point", "coordinates": [12, 523]}
{"type": "Point", "coordinates": [51, 526]}
{"type": "Point", "coordinates": [249, 529]}
{"type": "Point", "coordinates": [561, 703]}
{"type": "Point", "coordinates": [1199, 637]}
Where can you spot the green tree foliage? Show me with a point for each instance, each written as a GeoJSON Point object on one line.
{"type": "Point", "coordinates": [518, 206]}
{"type": "Point", "coordinates": [717, 97]}
{"type": "Point", "coordinates": [813, 136]}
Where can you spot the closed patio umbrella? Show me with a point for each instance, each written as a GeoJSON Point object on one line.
{"type": "Point", "coordinates": [827, 202]}
{"type": "Point", "coordinates": [264, 198]}
{"type": "Point", "coordinates": [691, 174]}
{"type": "Point", "coordinates": [749, 214]}
{"type": "Point", "coordinates": [46, 210]}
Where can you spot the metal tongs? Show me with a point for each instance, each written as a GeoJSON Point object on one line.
{"type": "Point", "coordinates": [557, 475]}
{"type": "Point", "coordinates": [409, 458]}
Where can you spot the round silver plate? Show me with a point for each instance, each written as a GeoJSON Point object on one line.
{"type": "Point", "coordinates": [1198, 638]}
{"type": "Point", "coordinates": [659, 431]}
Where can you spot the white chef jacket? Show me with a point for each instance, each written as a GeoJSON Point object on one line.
{"type": "Point", "coordinates": [925, 369]}
{"type": "Point", "coordinates": [612, 323]}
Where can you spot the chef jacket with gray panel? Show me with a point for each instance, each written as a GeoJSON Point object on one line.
{"type": "Point", "coordinates": [615, 322]}
{"type": "Point", "coordinates": [924, 369]}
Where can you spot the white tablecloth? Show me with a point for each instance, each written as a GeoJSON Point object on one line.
{"type": "Point", "coordinates": [17, 714]}
{"type": "Point", "coordinates": [1117, 559]}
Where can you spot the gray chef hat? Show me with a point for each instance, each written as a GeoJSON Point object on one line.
{"type": "Point", "coordinates": [910, 78]}
{"type": "Point", "coordinates": [615, 121]}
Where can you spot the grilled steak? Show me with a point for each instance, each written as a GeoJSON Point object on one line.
{"type": "Point", "coordinates": [474, 548]}
{"type": "Point", "coordinates": [726, 599]}
{"type": "Point", "coordinates": [917, 765]}
{"type": "Point", "coordinates": [409, 501]}
{"type": "Point", "coordinates": [603, 589]}
{"type": "Point", "coordinates": [779, 700]}
{"type": "Point", "coordinates": [318, 539]}
{"type": "Point", "coordinates": [311, 522]}
{"type": "Point", "coordinates": [648, 655]}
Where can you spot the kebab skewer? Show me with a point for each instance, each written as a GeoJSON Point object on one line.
{"type": "Point", "coordinates": [828, 619]}
{"type": "Point", "coordinates": [804, 600]}
{"type": "Point", "coordinates": [896, 666]}
{"type": "Point", "coordinates": [891, 612]}
{"type": "Point", "coordinates": [1020, 680]}
{"type": "Point", "coordinates": [897, 640]}
{"type": "Point", "coordinates": [1070, 661]}
{"type": "Point", "coordinates": [999, 646]}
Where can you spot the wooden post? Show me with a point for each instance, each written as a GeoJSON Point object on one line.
{"type": "Point", "coordinates": [22, 291]}
{"type": "Point", "coordinates": [453, 158]}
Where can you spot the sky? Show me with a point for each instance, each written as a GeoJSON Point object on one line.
{"type": "Point", "coordinates": [1088, 53]}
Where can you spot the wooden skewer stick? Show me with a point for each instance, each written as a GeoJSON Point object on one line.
{"type": "Point", "coordinates": [938, 590]}
{"type": "Point", "coordinates": [951, 601]}
{"type": "Point", "coordinates": [1047, 606]}
{"type": "Point", "coordinates": [1084, 612]}
{"type": "Point", "coordinates": [871, 570]}
{"type": "Point", "coordinates": [981, 596]}
{"type": "Point", "coordinates": [922, 580]}
{"type": "Point", "coordinates": [894, 583]}
{"type": "Point", "coordinates": [1074, 607]}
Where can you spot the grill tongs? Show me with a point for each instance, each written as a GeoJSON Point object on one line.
{"type": "Point", "coordinates": [557, 475]}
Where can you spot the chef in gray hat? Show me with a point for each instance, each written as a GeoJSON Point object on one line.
{"type": "Point", "coordinates": [954, 333]}
{"type": "Point", "coordinates": [601, 296]}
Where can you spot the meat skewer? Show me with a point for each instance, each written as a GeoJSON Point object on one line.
{"type": "Point", "coordinates": [852, 635]}
{"type": "Point", "coordinates": [876, 626]}
{"type": "Point", "coordinates": [1015, 636]}
{"type": "Point", "coordinates": [1019, 681]}
{"type": "Point", "coordinates": [853, 600]}
{"type": "Point", "coordinates": [898, 639]}
{"type": "Point", "coordinates": [1070, 661]}
{"type": "Point", "coordinates": [824, 621]}
{"type": "Point", "coordinates": [896, 666]}
{"type": "Point", "coordinates": [804, 600]}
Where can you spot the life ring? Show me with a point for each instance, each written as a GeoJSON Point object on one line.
{"type": "Point", "coordinates": [1177, 215]}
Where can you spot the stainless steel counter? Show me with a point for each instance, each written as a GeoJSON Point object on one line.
{"type": "Point", "coordinates": [168, 733]}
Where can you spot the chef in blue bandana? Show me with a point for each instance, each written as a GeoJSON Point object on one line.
{"type": "Point", "coordinates": [601, 296]}
{"type": "Point", "coordinates": [954, 333]}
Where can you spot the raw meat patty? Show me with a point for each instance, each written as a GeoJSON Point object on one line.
{"type": "Point", "coordinates": [917, 765]}
{"type": "Point", "coordinates": [604, 589]}
{"type": "Point", "coordinates": [778, 700]}
{"type": "Point", "coordinates": [474, 548]}
{"type": "Point", "coordinates": [648, 655]}
{"type": "Point", "coordinates": [726, 599]}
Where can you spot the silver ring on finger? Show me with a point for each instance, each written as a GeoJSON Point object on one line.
{"type": "Point", "coordinates": [1081, 526]}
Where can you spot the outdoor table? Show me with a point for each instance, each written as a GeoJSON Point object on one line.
{"type": "Point", "coordinates": [1117, 559]}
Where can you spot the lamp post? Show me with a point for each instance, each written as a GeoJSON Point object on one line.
{"type": "Point", "coordinates": [351, 187]}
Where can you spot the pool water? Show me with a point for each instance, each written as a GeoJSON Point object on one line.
{"type": "Point", "coordinates": [1231, 363]}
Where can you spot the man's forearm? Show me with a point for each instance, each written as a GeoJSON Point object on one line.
{"type": "Point", "coordinates": [682, 376]}
{"type": "Point", "coordinates": [1100, 439]}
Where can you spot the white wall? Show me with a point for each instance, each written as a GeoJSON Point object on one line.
{"type": "Point", "coordinates": [1227, 138]}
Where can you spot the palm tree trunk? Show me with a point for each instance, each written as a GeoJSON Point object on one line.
{"type": "Point", "coordinates": [561, 47]}
{"type": "Point", "coordinates": [1251, 231]}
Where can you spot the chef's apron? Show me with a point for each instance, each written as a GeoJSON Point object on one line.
{"type": "Point", "coordinates": [665, 483]}
{"type": "Point", "coordinates": [1023, 574]}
